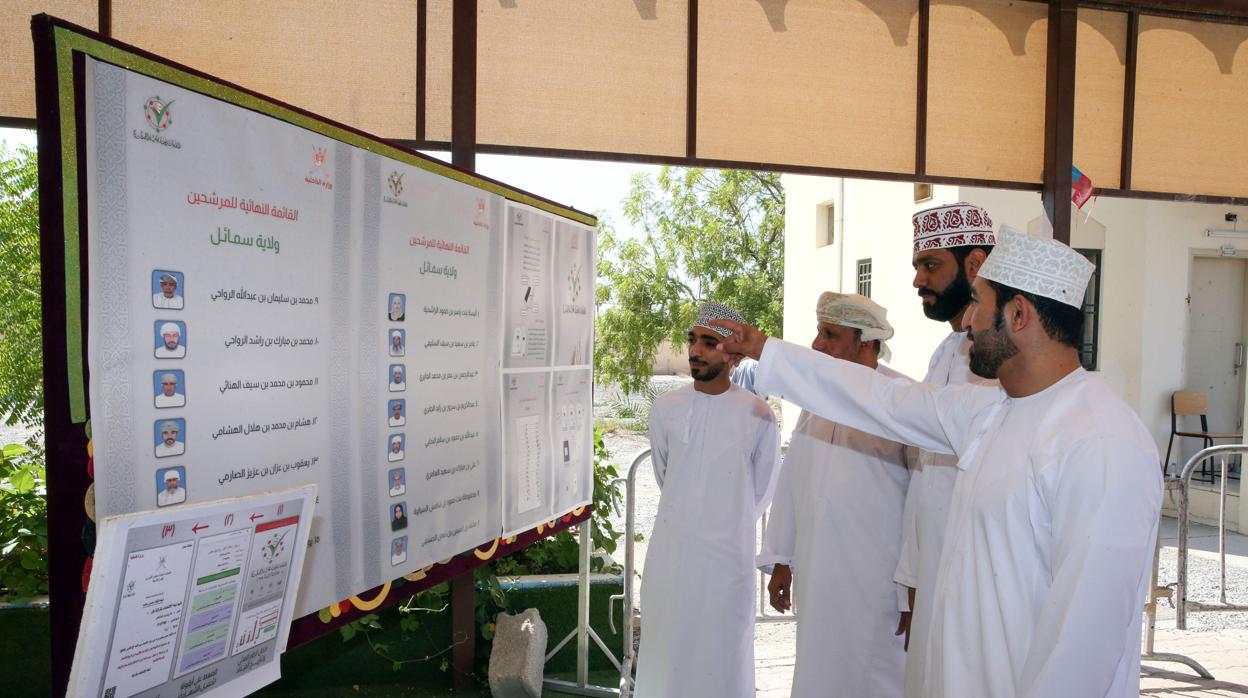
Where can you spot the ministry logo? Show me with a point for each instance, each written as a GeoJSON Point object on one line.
{"type": "Point", "coordinates": [319, 174]}
{"type": "Point", "coordinates": [159, 116]}
{"type": "Point", "coordinates": [157, 112]}
{"type": "Point", "coordinates": [574, 283]}
{"type": "Point", "coordinates": [395, 184]}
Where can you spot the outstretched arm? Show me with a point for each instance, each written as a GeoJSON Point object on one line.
{"type": "Point", "coordinates": [897, 409]}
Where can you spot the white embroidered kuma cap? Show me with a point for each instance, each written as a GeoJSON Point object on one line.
{"type": "Point", "coordinates": [1043, 267]}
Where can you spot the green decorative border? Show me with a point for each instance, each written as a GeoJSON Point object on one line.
{"type": "Point", "coordinates": [67, 41]}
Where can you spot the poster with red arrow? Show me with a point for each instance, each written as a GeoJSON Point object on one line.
{"type": "Point", "coordinates": [195, 600]}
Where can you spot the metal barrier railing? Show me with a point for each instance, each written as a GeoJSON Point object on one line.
{"type": "Point", "coordinates": [629, 482]}
{"type": "Point", "coordinates": [1181, 484]}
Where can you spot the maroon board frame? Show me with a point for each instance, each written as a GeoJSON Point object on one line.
{"type": "Point", "coordinates": [70, 532]}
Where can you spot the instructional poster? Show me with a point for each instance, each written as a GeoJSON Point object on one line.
{"type": "Point", "coordinates": [195, 600]}
{"type": "Point", "coordinates": [528, 288]}
{"type": "Point", "coordinates": [272, 307]}
{"type": "Point", "coordinates": [548, 292]}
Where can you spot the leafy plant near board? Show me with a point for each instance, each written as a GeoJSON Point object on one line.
{"type": "Point", "coordinates": [554, 555]}
{"type": "Point", "coordinates": [23, 523]}
{"type": "Point", "coordinates": [23, 496]}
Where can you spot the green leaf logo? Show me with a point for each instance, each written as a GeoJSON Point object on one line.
{"type": "Point", "coordinates": [157, 113]}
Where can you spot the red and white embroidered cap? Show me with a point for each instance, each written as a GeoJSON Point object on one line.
{"type": "Point", "coordinates": [952, 225]}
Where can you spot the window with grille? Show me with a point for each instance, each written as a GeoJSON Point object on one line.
{"type": "Point", "coordinates": [1091, 313]}
{"type": "Point", "coordinates": [864, 277]}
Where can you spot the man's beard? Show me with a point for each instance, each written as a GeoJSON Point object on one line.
{"type": "Point", "coordinates": [169, 442]}
{"type": "Point", "coordinates": [950, 301]}
{"type": "Point", "coordinates": [706, 372]}
{"type": "Point", "coordinates": [174, 345]}
{"type": "Point", "coordinates": [991, 349]}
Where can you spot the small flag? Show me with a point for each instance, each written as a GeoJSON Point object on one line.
{"type": "Point", "coordinates": [1080, 187]}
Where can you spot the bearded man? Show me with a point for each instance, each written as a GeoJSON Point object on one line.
{"type": "Point", "coordinates": [1049, 546]}
{"type": "Point", "coordinates": [951, 243]}
{"type": "Point", "coordinates": [715, 450]}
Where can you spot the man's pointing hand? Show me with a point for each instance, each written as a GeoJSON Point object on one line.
{"type": "Point", "coordinates": [744, 340]}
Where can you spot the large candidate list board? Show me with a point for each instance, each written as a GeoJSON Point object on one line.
{"type": "Point", "coordinates": [270, 307]}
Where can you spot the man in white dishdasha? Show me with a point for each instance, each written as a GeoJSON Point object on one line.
{"type": "Point", "coordinates": [1049, 547]}
{"type": "Point", "coordinates": [715, 449]}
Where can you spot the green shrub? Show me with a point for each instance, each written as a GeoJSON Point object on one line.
{"type": "Point", "coordinates": [556, 554]}
{"type": "Point", "coordinates": [23, 495]}
{"type": "Point", "coordinates": [23, 523]}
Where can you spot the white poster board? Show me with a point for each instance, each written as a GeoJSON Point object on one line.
{"type": "Point", "coordinates": [193, 600]}
{"type": "Point", "coordinates": [548, 312]}
{"type": "Point", "coordinates": [269, 307]}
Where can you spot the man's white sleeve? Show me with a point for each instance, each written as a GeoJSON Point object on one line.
{"type": "Point", "coordinates": [897, 409]}
{"type": "Point", "coordinates": [765, 459]}
{"type": "Point", "coordinates": [658, 444]}
{"type": "Point", "coordinates": [907, 573]}
{"type": "Point", "coordinates": [780, 540]}
{"type": "Point", "coordinates": [1104, 498]}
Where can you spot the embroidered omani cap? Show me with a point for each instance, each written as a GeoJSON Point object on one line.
{"type": "Point", "coordinates": [711, 310]}
{"type": "Point", "coordinates": [952, 225]}
{"type": "Point", "coordinates": [1043, 267]}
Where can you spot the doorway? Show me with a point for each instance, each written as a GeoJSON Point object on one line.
{"type": "Point", "coordinates": [1216, 345]}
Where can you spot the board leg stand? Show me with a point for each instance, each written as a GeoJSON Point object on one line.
{"type": "Point", "coordinates": [583, 632]}
{"type": "Point", "coordinates": [463, 630]}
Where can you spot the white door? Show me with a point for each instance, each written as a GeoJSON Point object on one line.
{"type": "Point", "coordinates": [1215, 346]}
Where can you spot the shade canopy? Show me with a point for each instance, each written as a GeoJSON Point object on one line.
{"type": "Point", "coordinates": [926, 90]}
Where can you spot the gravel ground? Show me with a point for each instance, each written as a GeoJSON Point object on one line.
{"type": "Point", "coordinates": [1202, 576]}
{"type": "Point", "coordinates": [15, 434]}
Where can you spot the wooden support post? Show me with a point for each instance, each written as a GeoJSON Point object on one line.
{"type": "Point", "coordinates": [464, 84]}
{"type": "Point", "coordinates": [1059, 116]}
{"type": "Point", "coordinates": [464, 154]}
{"type": "Point", "coordinates": [463, 630]}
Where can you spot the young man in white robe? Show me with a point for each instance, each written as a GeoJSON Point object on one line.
{"type": "Point", "coordinates": [715, 450]}
{"type": "Point", "coordinates": [951, 242]}
{"type": "Point", "coordinates": [834, 531]}
{"type": "Point", "coordinates": [1049, 546]}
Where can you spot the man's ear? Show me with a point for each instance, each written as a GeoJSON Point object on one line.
{"type": "Point", "coordinates": [732, 360]}
{"type": "Point", "coordinates": [1019, 313]}
{"type": "Point", "coordinates": [973, 262]}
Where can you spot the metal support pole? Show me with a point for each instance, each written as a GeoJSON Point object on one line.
{"type": "Point", "coordinates": [583, 632]}
{"type": "Point", "coordinates": [582, 607]}
{"type": "Point", "coordinates": [1222, 534]}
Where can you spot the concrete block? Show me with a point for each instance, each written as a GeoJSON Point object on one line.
{"type": "Point", "coordinates": [518, 657]}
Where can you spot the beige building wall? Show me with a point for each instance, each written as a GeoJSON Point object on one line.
{"type": "Point", "coordinates": [670, 360]}
{"type": "Point", "coordinates": [1148, 252]}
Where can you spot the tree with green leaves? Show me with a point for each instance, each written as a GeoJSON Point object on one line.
{"type": "Point", "coordinates": [705, 235]}
{"type": "Point", "coordinates": [23, 503]}
{"type": "Point", "coordinates": [21, 355]}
